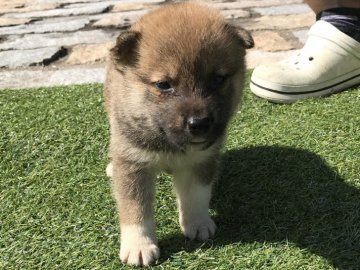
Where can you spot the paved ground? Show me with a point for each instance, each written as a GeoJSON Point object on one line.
{"type": "Point", "coordinates": [59, 42]}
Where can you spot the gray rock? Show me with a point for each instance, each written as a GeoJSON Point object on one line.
{"type": "Point", "coordinates": [12, 21]}
{"type": "Point", "coordinates": [61, 19]}
{"type": "Point", "coordinates": [33, 41]}
{"type": "Point", "coordinates": [92, 1]}
{"type": "Point", "coordinates": [67, 1]}
{"type": "Point", "coordinates": [81, 10]}
{"type": "Point", "coordinates": [25, 58]}
{"type": "Point", "coordinates": [17, 79]}
{"type": "Point", "coordinates": [253, 3]}
{"type": "Point", "coordinates": [301, 35]}
{"type": "Point", "coordinates": [143, 1]}
{"type": "Point", "coordinates": [118, 19]}
{"type": "Point", "coordinates": [69, 26]}
{"type": "Point", "coordinates": [235, 14]}
{"type": "Point", "coordinates": [283, 10]}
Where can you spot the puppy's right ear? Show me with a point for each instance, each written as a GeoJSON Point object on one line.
{"type": "Point", "coordinates": [242, 35]}
{"type": "Point", "coordinates": [125, 52]}
{"type": "Point", "coordinates": [245, 37]}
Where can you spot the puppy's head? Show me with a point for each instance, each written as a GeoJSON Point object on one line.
{"type": "Point", "coordinates": [180, 71]}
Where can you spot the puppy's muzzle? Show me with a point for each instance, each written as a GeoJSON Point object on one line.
{"type": "Point", "coordinates": [199, 126]}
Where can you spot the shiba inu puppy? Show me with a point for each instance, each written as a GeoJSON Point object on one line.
{"type": "Point", "coordinates": [174, 80]}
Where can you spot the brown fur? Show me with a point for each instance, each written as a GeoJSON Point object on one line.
{"type": "Point", "coordinates": [189, 46]}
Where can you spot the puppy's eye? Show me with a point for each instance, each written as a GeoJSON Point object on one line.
{"type": "Point", "coordinates": [164, 86]}
{"type": "Point", "coordinates": [219, 80]}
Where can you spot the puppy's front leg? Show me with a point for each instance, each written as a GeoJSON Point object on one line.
{"type": "Point", "coordinates": [193, 190]}
{"type": "Point", "coordinates": [134, 193]}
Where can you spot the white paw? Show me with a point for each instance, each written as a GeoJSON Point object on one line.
{"type": "Point", "coordinates": [199, 228]}
{"type": "Point", "coordinates": [137, 248]}
{"type": "Point", "coordinates": [142, 253]}
{"type": "Point", "coordinates": [109, 170]}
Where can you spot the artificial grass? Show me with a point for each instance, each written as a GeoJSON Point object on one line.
{"type": "Point", "coordinates": [288, 196]}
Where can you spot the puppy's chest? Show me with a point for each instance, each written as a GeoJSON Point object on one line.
{"type": "Point", "coordinates": [177, 162]}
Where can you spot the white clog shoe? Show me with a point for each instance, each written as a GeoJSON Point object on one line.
{"type": "Point", "coordinates": [328, 63]}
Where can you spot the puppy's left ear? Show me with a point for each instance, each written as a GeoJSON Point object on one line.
{"type": "Point", "coordinates": [242, 35]}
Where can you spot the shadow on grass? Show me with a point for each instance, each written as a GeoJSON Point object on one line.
{"type": "Point", "coordinates": [279, 194]}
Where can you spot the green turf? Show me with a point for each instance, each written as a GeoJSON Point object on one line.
{"type": "Point", "coordinates": [288, 197]}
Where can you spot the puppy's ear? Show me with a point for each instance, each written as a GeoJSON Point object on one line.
{"type": "Point", "coordinates": [242, 35]}
{"type": "Point", "coordinates": [246, 37]}
{"type": "Point", "coordinates": [125, 51]}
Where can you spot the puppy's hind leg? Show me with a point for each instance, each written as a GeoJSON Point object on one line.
{"type": "Point", "coordinates": [193, 197]}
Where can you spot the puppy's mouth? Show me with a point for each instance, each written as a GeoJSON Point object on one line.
{"type": "Point", "coordinates": [182, 140]}
{"type": "Point", "coordinates": [198, 141]}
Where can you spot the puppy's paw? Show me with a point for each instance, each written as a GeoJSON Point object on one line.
{"type": "Point", "coordinates": [109, 170]}
{"type": "Point", "coordinates": [137, 248]}
{"type": "Point", "coordinates": [198, 228]}
{"type": "Point", "coordinates": [141, 252]}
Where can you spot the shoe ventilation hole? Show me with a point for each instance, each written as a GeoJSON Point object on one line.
{"type": "Point", "coordinates": [311, 58]}
{"type": "Point", "coordinates": [296, 63]}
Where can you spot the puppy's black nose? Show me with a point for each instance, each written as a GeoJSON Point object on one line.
{"type": "Point", "coordinates": [199, 125]}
